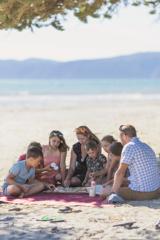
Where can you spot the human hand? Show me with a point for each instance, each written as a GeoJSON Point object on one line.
{"type": "Point", "coordinates": [50, 186]}
{"type": "Point", "coordinates": [83, 183]}
{"type": "Point", "coordinates": [103, 196]}
{"type": "Point", "coordinates": [21, 195]}
{"type": "Point", "coordinates": [67, 182]}
{"type": "Point", "coordinates": [48, 168]}
{"type": "Point", "coordinates": [92, 175]}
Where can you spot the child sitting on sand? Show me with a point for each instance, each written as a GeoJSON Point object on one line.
{"type": "Point", "coordinates": [106, 143]}
{"type": "Point", "coordinates": [39, 169]}
{"type": "Point", "coordinates": [115, 150]}
{"type": "Point", "coordinates": [20, 181]}
{"type": "Point", "coordinates": [55, 158]}
{"type": "Point", "coordinates": [96, 164]}
{"type": "Point", "coordinates": [31, 145]}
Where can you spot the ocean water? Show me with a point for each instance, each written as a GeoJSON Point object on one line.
{"type": "Point", "coordinates": [24, 87]}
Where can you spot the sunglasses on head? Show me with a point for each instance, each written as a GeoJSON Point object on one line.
{"type": "Point", "coordinates": [56, 133]}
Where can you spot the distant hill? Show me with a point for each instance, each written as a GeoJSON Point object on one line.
{"type": "Point", "coordinates": [140, 65]}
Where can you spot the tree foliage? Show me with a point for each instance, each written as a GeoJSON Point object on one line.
{"type": "Point", "coordinates": [22, 14]}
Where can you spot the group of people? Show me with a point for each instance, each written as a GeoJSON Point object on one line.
{"type": "Point", "coordinates": [127, 167]}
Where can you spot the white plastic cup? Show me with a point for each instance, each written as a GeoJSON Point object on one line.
{"type": "Point", "coordinates": [92, 191]}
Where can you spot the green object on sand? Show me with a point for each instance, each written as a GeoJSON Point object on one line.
{"type": "Point", "coordinates": [51, 219]}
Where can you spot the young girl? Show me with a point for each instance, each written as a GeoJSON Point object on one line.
{"type": "Point", "coordinates": [54, 158]}
{"type": "Point", "coordinates": [96, 165]}
{"type": "Point", "coordinates": [77, 169]}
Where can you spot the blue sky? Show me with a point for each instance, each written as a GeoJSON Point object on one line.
{"type": "Point", "coordinates": [132, 30]}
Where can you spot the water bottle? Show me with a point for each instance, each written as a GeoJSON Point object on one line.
{"type": "Point", "coordinates": [92, 191]}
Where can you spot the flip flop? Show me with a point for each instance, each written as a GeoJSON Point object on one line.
{"type": "Point", "coordinates": [65, 210]}
{"type": "Point", "coordinates": [51, 219]}
{"type": "Point", "coordinates": [6, 219]}
{"type": "Point", "coordinates": [127, 225]}
{"type": "Point", "coordinates": [15, 209]}
{"type": "Point", "coordinates": [69, 210]}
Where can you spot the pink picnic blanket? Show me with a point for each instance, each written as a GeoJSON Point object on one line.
{"type": "Point", "coordinates": [56, 199]}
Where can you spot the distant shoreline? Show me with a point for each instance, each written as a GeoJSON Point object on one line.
{"type": "Point", "coordinates": [82, 97]}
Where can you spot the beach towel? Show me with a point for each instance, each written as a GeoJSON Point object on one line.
{"type": "Point", "coordinates": [54, 199]}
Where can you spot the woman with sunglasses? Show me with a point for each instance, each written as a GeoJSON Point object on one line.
{"type": "Point", "coordinates": [55, 158]}
{"type": "Point", "coordinates": [78, 169]}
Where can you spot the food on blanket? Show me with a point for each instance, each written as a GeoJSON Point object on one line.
{"type": "Point", "coordinates": [70, 189]}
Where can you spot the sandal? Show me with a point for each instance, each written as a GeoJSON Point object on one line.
{"type": "Point", "coordinates": [65, 210]}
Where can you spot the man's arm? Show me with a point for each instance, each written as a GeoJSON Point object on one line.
{"type": "Point", "coordinates": [119, 177]}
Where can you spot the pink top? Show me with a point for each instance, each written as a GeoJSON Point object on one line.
{"type": "Point", "coordinates": [49, 158]}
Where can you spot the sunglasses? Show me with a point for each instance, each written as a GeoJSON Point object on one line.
{"type": "Point", "coordinates": [56, 133]}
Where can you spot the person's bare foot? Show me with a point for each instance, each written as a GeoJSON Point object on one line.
{"type": "Point", "coordinates": [103, 196]}
{"type": "Point", "coordinates": [21, 195]}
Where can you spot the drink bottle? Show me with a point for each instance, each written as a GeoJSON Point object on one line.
{"type": "Point", "coordinates": [92, 191]}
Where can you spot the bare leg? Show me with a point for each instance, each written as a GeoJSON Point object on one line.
{"type": "Point", "coordinates": [35, 188]}
{"type": "Point", "coordinates": [14, 190]}
{"type": "Point", "coordinates": [106, 191]}
{"type": "Point", "coordinates": [88, 184]}
{"type": "Point", "coordinates": [58, 177]}
{"type": "Point", "coordinates": [75, 182]}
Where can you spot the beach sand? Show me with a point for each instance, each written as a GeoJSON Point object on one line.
{"type": "Point", "coordinates": [27, 118]}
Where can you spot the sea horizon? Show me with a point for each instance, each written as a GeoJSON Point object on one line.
{"type": "Point", "coordinates": [135, 88]}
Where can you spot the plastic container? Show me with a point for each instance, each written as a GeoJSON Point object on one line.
{"type": "Point", "coordinates": [92, 190]}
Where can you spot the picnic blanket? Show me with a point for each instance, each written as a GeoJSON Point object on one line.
{"type": "Point", "coordinates": [71, 196]}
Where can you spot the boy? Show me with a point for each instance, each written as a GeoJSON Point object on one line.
{"type": "Point", "coordinates": [115, 150]}
{"type": "Point", "coordinates": [20, 181]}
{"type": "Point", "coordinates": [96, 164]}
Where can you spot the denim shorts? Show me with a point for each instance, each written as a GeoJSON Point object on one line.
{"type": "Point", "coordinates": [5, 192]}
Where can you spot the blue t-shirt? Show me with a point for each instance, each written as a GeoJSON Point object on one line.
{"type": "Point", "coordinates": [21, 173]}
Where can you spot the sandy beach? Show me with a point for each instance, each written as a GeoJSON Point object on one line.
{"type": "Point", "coordinates": [27, 118]}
